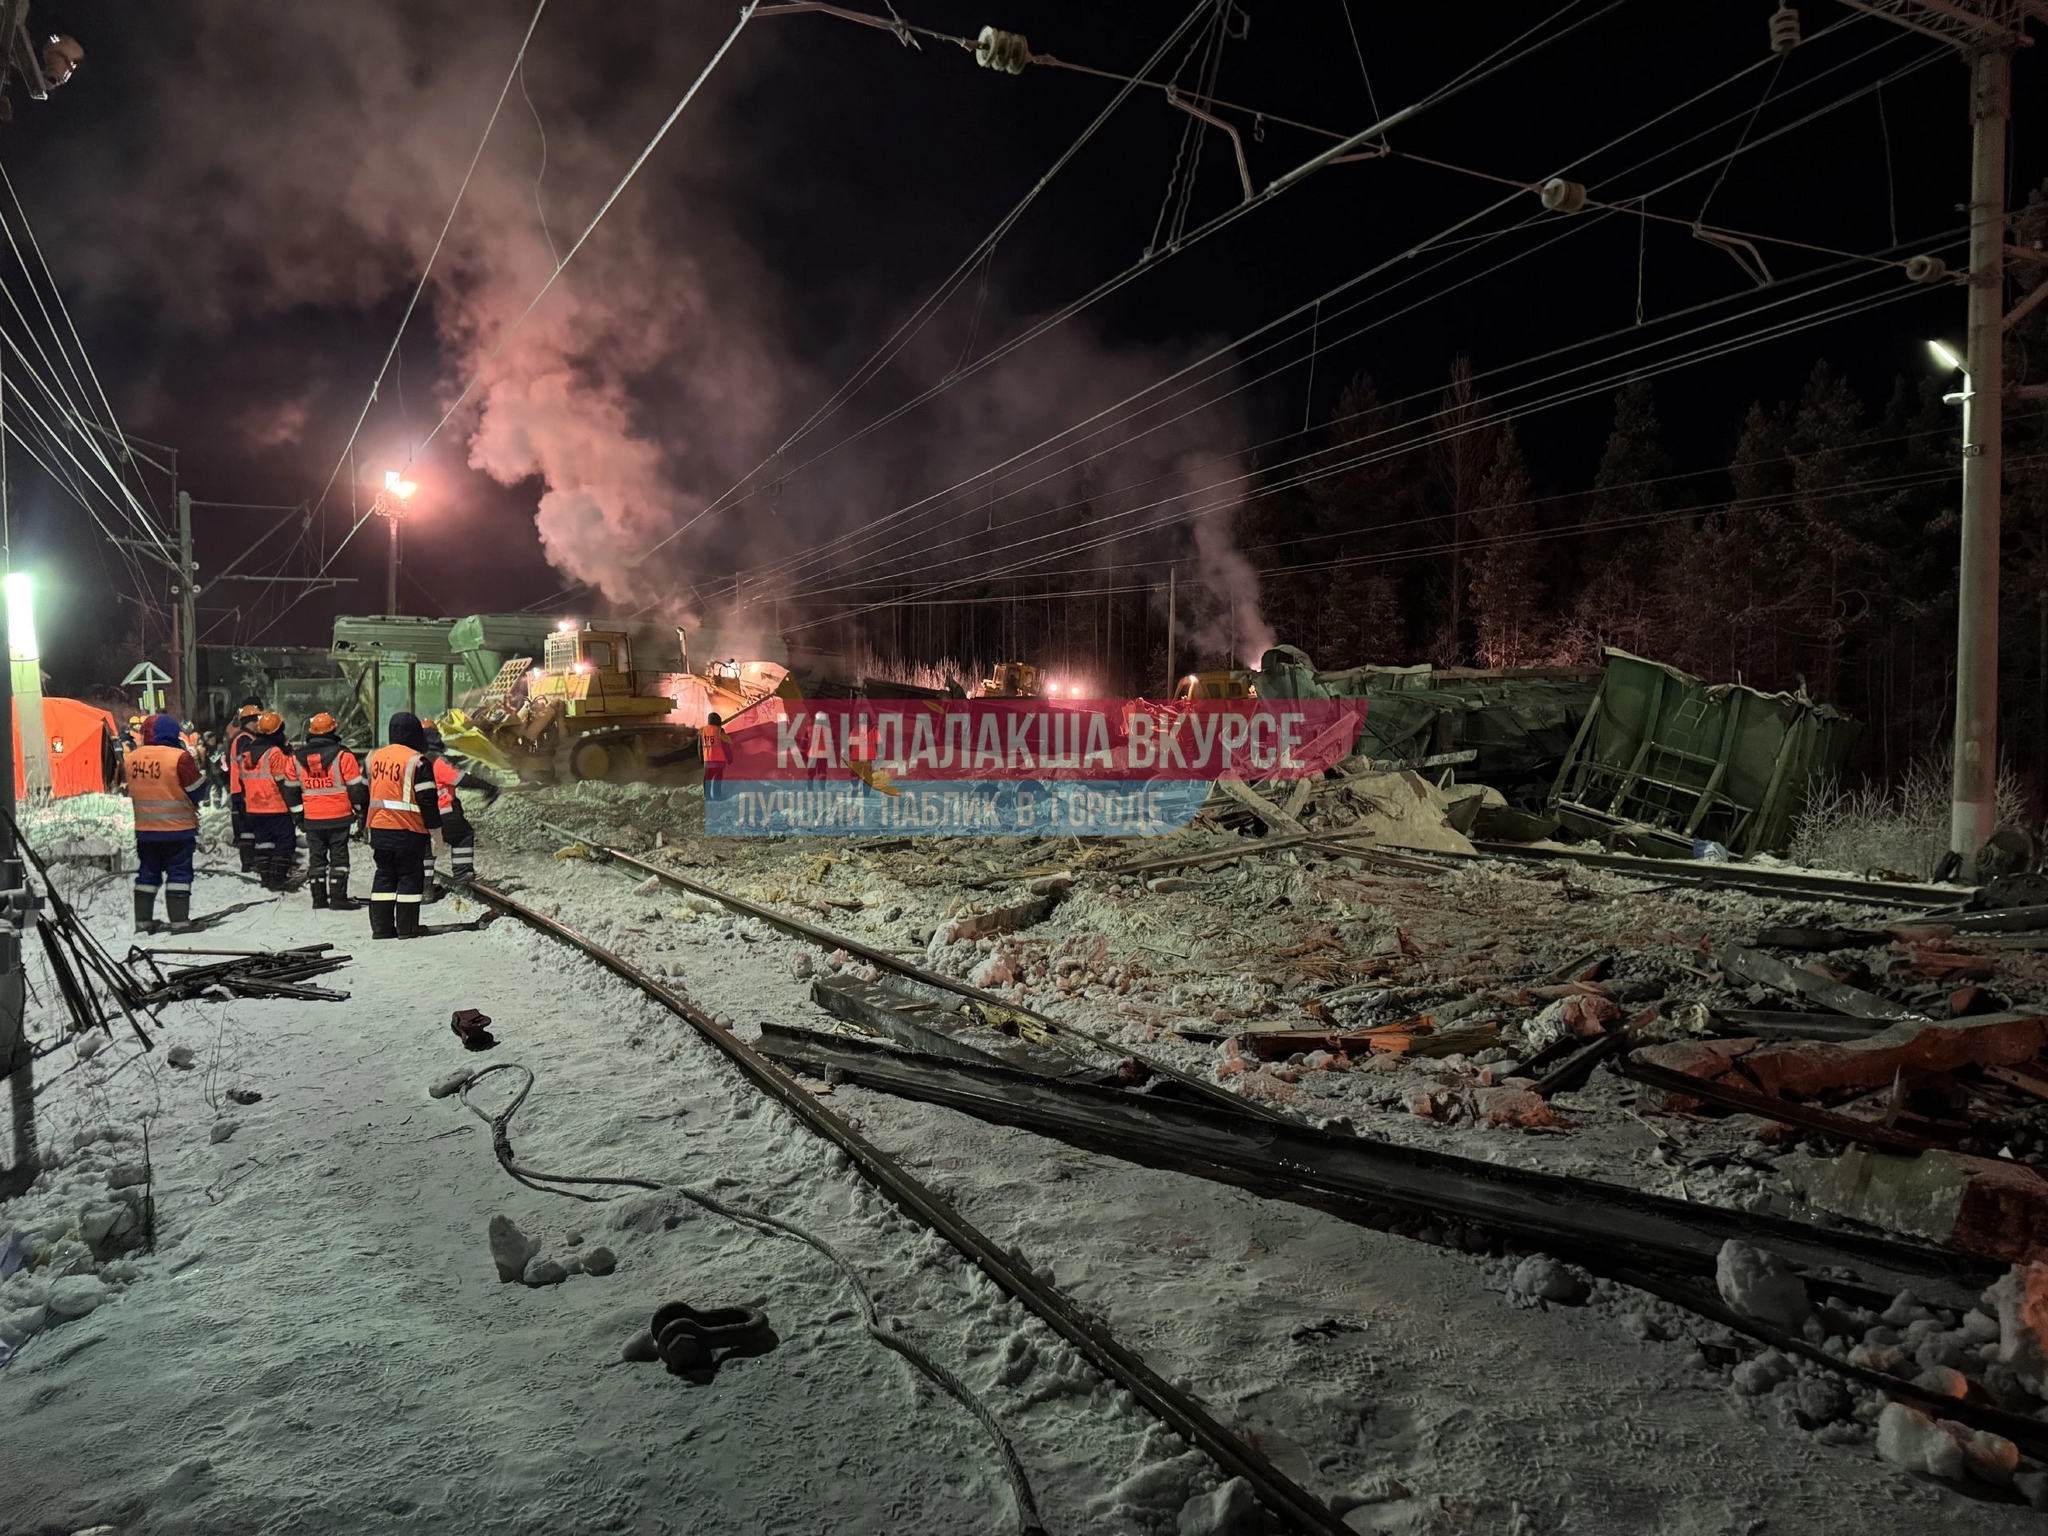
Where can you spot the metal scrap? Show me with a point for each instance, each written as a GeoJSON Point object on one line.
{"type": "Point", "coordinates": [239, 973]}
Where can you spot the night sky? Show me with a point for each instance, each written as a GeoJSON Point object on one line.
{"type": "Point", "coordinates": [238, 216]}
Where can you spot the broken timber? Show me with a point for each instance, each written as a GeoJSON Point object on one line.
{"type": "Point", "coordinates": [993, 1010]}
{"type": "Point", "coordinates": [1598, 1224]}
{"type": "Point", "coordinates": [1765, 970]}
{"type": "Point", "coordinates": [1300, 1509]}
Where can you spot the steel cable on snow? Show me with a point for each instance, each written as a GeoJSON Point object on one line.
{"type": "Point", "coordinates": [1028, 1520]}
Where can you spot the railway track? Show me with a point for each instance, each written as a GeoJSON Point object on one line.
{"type": "Point", "coordinates": [1669, 1256]}
{"type": "Point", "coordinates": [1288, 1500]}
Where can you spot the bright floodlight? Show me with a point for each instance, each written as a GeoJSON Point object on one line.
{"type": "Point", "coordinates": [1945, 357]}
{"type": "Point", "coordinates": [398, 485]}
{"type": "Point", "coordinates": [21, 616]}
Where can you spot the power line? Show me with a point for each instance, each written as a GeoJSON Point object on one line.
{"type": "Point", "coordinates": [1484, 70]}
{"type": "Point", "coordinates": [1855, 306]}
{"type": "Point", "coordinates": [419, 288]}
{"type": "Point", "coordinates": [597, 218]}
{"type": "Point", "coordinates": [839, 542]}
{"type": "Point", "coordinates": [984, 250]}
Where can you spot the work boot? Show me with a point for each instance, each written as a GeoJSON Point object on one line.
{"type": "Point", "coordinates": [178, 907]}
{"type": "Point", "coordinates": [383, 919]}
{"type": "Point", "coordinates": [337, 894]}
{"type": "Point", "coordinates": [248, 853]}
{"type": "Point", "coordinates": [319, 896]}
{"type": "Point", "coordinates": [276, 873]}
{"type": "Point", "coordinates": [408, 919]}
{"type": "Point", "coordinates": [145, 911]}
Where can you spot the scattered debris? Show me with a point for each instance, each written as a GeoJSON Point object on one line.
{"type": "Point", "coordinates": [238, 973]}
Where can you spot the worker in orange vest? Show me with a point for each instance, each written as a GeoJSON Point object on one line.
{"type": "Point", "coordinates": [456, 831]}
{"type": "Point", "coordinates": [164, 788]}
{"type": "Point", "coordinates": [263, 767]}
{"type": "Point", "coordinates": [238, 736]}
{"type": "Point", "coordinates": [405, 809]}
{"type": "Point", "coordinates": [331, 794]}
{"type": "Point", "coordinates": [717, 756]}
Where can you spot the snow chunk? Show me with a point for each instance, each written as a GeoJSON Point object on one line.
{"type": "Point", "coordinates": [1224, 1511]}
{"type": "Point", "coordinates": [77, 1295]}
{"type": "Point", "coordinates": [511, 1249]}
{"type": "Point", "coordinates": [1761, 1285]}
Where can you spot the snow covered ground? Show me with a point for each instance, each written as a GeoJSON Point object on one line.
{"type": "Point", "coordinates": [320, 1341]}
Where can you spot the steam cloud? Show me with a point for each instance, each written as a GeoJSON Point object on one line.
{"type": "Point", "coordinates": [307, 163]}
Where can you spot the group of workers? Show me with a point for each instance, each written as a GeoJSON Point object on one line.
{"type": "Point", "coordinates": [396, 800]}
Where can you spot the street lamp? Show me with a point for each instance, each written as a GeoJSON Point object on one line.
{"type": "Point", "coordinates": [1974, 798]}
{"type": "Point", "coordinates": [390, 505]}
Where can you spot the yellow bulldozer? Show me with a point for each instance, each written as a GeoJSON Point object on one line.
{"type": "Point", "coordinates": [585, 713]}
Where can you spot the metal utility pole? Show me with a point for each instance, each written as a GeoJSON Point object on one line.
{"type": "Point", "coordinates": [1987, 31]}
{"type": "Point", "coordinates": [17, 1060]}
{"type": "Point", "coordinates": [1171, 681]}
{"type": "Point", "coordinates": [1974, 811]}
{"type": "Point", "coordinates": [186, 590]}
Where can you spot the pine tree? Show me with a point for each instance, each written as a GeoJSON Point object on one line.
{"type": "Point", "coordinates": [1507, 605]}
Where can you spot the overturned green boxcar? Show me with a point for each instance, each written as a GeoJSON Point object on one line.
{"type": "Point", "coordinates": [1663, 760]}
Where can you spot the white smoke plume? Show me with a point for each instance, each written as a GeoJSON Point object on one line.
{"type": "Point", "coordinates": [305, 163]}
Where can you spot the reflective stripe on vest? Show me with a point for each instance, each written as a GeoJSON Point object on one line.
{"type": "Point", "coordinates": [391, 776]}
{"type": "Point", "coordinates": [260, 793]}
{"type": "Point", "coordinates": [161, 803]}
{"type": "Point", "coordinates": [324, 785]}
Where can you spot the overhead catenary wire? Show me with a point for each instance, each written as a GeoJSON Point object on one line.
{"type": "Point", "coordinates": [1366, 453]}
{"type": "Point", "coordinates": [505, 336]}
{"type": "Point", "coordinates": [1487, 67]}
{"type": "Point", "coordinates": [835, 545]}
{"type": "Point", "coordinates": [1235, 498]}
{"type": "Point", "coordinates": [633, 170]}
{"type": "Point", "coordinates": [923, 536]}
{"type": "Point", "coordinates": [427, 271]}
{"type": "Point", "coordinates": [111, 421]}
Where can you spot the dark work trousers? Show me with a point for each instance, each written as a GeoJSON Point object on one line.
{"type": "Point", "coordinates": [164, 861]}
{"type": "Point", "coordinates": [401, 864]}
{"type": "Point", "coordinates": [277, 846]}
{"type": "Point", "coordinates": [327, 856]}
{"type": "Point", "coordinates": [245, 840]}
{"type": "Point", "coordinates": [460, 837]}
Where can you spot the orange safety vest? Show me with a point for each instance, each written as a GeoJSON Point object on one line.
{"type": "Point", "coordinates": [446, 777]}
{"type": "Point", "coordinates": [392, 807]}
{"type": "Point", "coordinates": [237, 739]}
{"type": "Point", "coordinates": [717, 745]}
{"type": "Point", "coordinates": [324, 785]}
{"type": "Point", "coordinates": [262, 781]}
{"type": "Point", "coordinates": [161, 803]}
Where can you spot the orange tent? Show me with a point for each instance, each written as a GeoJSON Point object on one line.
{"type": "Point", "coordinates": [77, 734]}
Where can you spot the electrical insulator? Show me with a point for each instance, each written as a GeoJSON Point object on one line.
{"type": "Point", "coordinates": [1561, 196]}
{"type": "Point", "coordinates": [1926, 269]}
{"type": "Point", "coordinates": [1784, 28]}
{"type": "Point", "coordinates": [1006, 51]}
{"type": "Point", "coordinates": [61, 58]}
